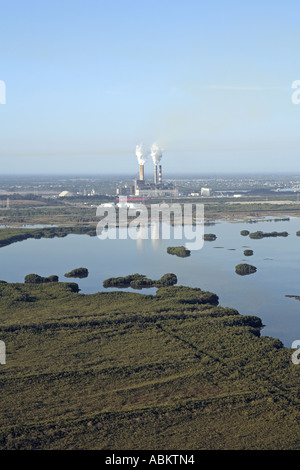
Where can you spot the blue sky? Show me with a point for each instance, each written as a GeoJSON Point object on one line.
{"type": "Point", "coordinates": [87, 80]}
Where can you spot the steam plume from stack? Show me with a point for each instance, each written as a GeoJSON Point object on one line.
{"type": "Point", "coordinates": [141, 154]}
{"type": "Point", "coordinates": [156, 154]}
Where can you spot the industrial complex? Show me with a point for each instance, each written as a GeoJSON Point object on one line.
{"type": "Point", "coordinates": [142, 188]}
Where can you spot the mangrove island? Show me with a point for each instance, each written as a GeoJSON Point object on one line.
{"type": "Point", "coordinates": [180, 251]}
{"type": "Point", "coordinates": [244, 269]}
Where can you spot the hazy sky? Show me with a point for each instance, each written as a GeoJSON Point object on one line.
{"type": "Point", "coordinates": [210, 81]}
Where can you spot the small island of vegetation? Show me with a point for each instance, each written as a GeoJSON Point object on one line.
{"type": "Point", "coordinates": [257, 235]}
{"type": "Point", "coordinates": [209, 237]}
{"type": "Point", "coordinates": [248, 252]}
{"type": "Point", "coordinates": [243, 269]}
{"type": "Point", "coordinates": [78, 272]}
{"type": "Point", "coordinates": [139, 281]}
{"type": "Point", "coordinates": [245, 233]}
{"type": "Point", "coordinates": [297, 297]}
{"type": "Point", "coordinates": [180, 251]}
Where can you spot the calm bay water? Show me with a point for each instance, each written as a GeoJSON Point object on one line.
{"type": "Point", "coordinates": [212, 268]}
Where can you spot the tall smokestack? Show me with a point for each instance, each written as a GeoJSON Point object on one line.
{"type": "Point", "coordinates": [142, 172]}
{"type": "Point", "coordinates": [155, 174]}
{"type": "Point", "coordinates": [142, 158]}
{"type": "Point", "coordinates": [159, 175]}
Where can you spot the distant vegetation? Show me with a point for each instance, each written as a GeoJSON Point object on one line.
{"type": "Point", "coordinates": [255, 221]}
{"type": "Point", "coordinates": [78, 272]}
{"type": "Point", "coordinates": [13, 235]}
{"type": "Point", "coordinates": [30, 209]}
{"type": "Point", "coordinates": [209, 237]}
{"type": "Point", "coordinates": [245, 233]}
{"type": "Point", "coordinates": [297, 297]}
{"type": "Point", "coordinates": [259, 234]}
{"type": "Point", "coordinates": [248, 252]}
{"type": "Point", "coordinates": [244, 269]}
{"type": "Point", "coordinates": [180, 251]}
{"type": "Point", "coordinates": [139, 281]}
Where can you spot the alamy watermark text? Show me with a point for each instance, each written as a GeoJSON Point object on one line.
{"type": "Point", "coordinates": [296, 354]}
{"type": "Point", "coordinates": [2, 353]}
{"type": "Point", "coordinates": [187, 221]}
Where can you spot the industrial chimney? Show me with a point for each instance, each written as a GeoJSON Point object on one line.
{"type": "Point", "coordinates": [141, 172]}
{"type": "Point", "coordinates": [142, 158]}
{"type": "Point", "coordinates": [159, 175]}
{"type": "Point", "coordinates": [155, 174]}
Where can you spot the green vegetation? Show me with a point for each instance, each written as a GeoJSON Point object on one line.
{"type": "Point", "coordinates": [123, 370]}
{"type": "Point", "coordinates": [78, 272]}
{"type": "Point", "coordinates": [259, 234]}
{"type": "Point", "coordinates": [209, 237]}
{"type": "Point", "coordinates": [30, 209]}
{"type": "Point", "coordinates": [243, 269]}
{"type": "Point", "coordinates": [248, 252]}
{"type": "Point", "coordinates": [245, 233]}
{"type": "Point", "coordinates": [297, 297]}
{"type": "Point", "coordinates": [62, 214]}
{"type": "Point", "coordinates": [36, 279]}
{"type": "Point", "coordinates": [180, 251]}
{"type": "Point", "coordinates": [13, 235]}
{"type": "Point", "coordinates": [139, 281]}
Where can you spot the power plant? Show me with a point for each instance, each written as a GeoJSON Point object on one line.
{"type": "Point", "coordinates": [141, 188]}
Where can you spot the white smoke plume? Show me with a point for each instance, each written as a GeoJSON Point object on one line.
{"type": "Point", "coordinates": [141, 154]}
{"type": "Point", "coordinates": [156, 153]}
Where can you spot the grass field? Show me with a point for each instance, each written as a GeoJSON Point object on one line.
{"type": "Point", "coordinates": [122, 370]}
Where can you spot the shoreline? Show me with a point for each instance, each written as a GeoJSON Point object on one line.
{"type": "Point", "coordinates": [227, 217]}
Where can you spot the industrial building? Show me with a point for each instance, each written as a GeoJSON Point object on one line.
{"type": "Point", "coordinates": [65, 194]}
{"type": "Point", "coordinates": [143, 189]}
{"type": "Point", "coordinates": [205, 192]}
{"type": "Point", "coordinates": [155, 189]}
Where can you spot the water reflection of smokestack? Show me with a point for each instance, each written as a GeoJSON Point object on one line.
{"type": "Point", "coordinates": [155, 235]}
{"type": "Point", "coordinates": [155, 174]}
{"type": "Point", "coordinates": [140, 241]}
{"type": "Point", "coordinates": [160, 175]}
{"type": "Point", "coordinates": [142, 172]}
